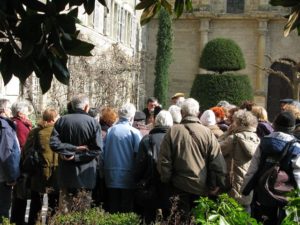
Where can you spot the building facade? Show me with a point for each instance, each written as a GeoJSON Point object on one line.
{"type": "Point", "coordinates": [116, 34]}
{"type": "Point", "coordinates": [256, 26]}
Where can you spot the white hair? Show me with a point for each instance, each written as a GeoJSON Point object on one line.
{"type": "Point", "coordinates": [190, 107]}
{"type": "Point", "coordinates": [79, 101]}
{"type": "Point", "coordinates": [127, 111]}
{"type": "Point", "coordinates": [164, 118]}
{"type": "Point", "coordinates": [20, 107]}
{"type": "Point", "coordinates": [176, 114]}
{"type": "Point", "coordinates": [4, 104]}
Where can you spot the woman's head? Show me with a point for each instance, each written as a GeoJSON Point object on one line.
{"type": "Point", "coordinates": [243, 118]}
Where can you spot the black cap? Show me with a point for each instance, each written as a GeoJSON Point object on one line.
{"type": "Point", "coordinates": [286, 100]}
{"type": "Point", "coordinates": [284, 122]}
{"type": "Point", "coordinates": [139, 115]}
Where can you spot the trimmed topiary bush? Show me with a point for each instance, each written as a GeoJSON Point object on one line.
{"type": "Point", "coordinates": [209, 89]}
{"type": "Point", "coordinates": [222, 55]}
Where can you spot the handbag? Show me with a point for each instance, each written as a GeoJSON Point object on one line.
{"type": "Point", "coordinates": [146, 189]}
{"type": "Point", "coordinates": [32, 160]}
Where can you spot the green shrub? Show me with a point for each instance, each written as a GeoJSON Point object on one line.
{"type": "Point", "coordinates": [224, 211]}
{"type": "Point", "coordinates": [209, 89]}
{"type": "Point", "coordinates": [222, 55]}
{"type": "Point", "coordinates": [95, 216]}
{"type": "Point", "coordinates": [163, 58]}
{"type": "Point", "coordinates": [292, 209]}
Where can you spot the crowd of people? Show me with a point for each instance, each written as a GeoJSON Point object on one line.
{"type": "Point", "coordinates": [126, 160]}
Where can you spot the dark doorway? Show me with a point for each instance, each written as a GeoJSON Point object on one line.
{"type": "Point", "coordinates": [278, 88]}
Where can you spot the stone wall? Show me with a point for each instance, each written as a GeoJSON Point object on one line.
{"type": "Point", "coordinates": [258, 34]}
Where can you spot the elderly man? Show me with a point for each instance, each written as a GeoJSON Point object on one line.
{"type": "Point", "coordinates": [121, 145]}
{"type": "Point", "coordinates": [9, 158]}
{"type": "Point", "coordinates": [77, 139]}
{"type": "Point", "coordinates": [190, 156]}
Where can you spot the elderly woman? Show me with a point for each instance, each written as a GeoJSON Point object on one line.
{"type": "Point", "coordinates": [208, 119]}
{"type": "Point", "coordinates": [146, 160]}
{"type": "Point", "coordinates": [45, 180]}
{"type": "Point", "coordinates": [238, 149]}
{"type": "Point", "coordinates": [264, 127]}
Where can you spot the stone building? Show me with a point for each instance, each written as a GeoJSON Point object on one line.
{"type": "Point", "coordinates": [256, 26]}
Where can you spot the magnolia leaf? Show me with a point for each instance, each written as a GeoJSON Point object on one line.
{"type": "Point", "coordinates": [77, 47]}
{"type": "Point", "coordinates": [6, 63]}
{"type": "Point", "coordinates": [103, 2]}
{"type": "Point", "coordinates": [284, 3]}
{"type": "Point", "coordinates": [60, 4]}
{"type": "Point", "coordinates": [148, 13]}
{"type": "Point", "coordinates": [60, 71]}
{"type": "Point", "coordinates": [179, 6]}
{"type": "Point", "coordinates": [167, 6]}
{"type": "Point", "coordinates": [144, 4]}
{"type": "Point", "coordinates": [76, 2]}
{"type": "Point", "coordinates": [35, 5]}
{"type": "Point", "coordinates": [292, 22]}
{"type": "Point", "coordinates": [89, 6]}
{"type": "Point", "coordinates": [188, 5]}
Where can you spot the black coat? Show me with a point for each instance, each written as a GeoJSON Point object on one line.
{"type": "Point", "coordinates": [74, 130]}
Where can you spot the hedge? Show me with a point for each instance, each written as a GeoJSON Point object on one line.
{"type": "Point", "coordinates": [221, 55]}
{"type": "Point", "coordinates": [209, 89]}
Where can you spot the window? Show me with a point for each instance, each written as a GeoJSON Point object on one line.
{"type": "Point", "coordinates": [235, 6]}
{"type": "Point", "coordinates": [99, 17]}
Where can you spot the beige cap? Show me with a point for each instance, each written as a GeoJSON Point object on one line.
{"type": "Point", "coordinates": [179, 94]}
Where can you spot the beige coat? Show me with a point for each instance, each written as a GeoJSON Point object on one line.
{"type": "Point", "coordinates": [183, 162]}
{"type": "Point", "coordinates": [238, 150]}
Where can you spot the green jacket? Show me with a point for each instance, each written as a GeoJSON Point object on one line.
{"type": "Point", "coordinates": [46, 176]}
{"type": "Point", "coordinates": [189, 165]}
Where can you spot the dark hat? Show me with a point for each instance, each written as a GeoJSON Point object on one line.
{"type": "Point", "coordinates": [139, 115]}
{"type": "Point", "coordinates": [286, 100]}
{"type": "Point", "coordinates": [284, 122]}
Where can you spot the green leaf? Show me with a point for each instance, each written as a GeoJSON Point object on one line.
{"type": "Point", "coordinates": [188, 5]}
{"type": "Point", "coordinates": [67, 23]}
{"type": "Point", "coordinates": [89, 6]}
{"type": "Point", "coordinates": [60, 4]}
{"type": "Point", "coordinates": [76, 2]}
{"type": "Point", "coordinates": [167, 6]}
{"type": "Point", "coordinates": [22, 68]}
{"type": "Point", "coordinates": [179, 6]}
{"type": "Point", "coordinates": [35, 5]}
{"type": "Point", "coordinates": [44, 72]}
{"type": "Point", "coordinates": [144, 4]}
{"type": "Point", "coordinates": [30, 28]}
{"type": "Point", "coordinates": [284, 3]}
{"type": "Point", "coordinates": [148, 13]}
{"type": "Point", "coordinates": [103, 2]}
{"type": "Point", "coordinates": [77, 47]}
{"type": "Point", "coordinates": [60, 71]}
{"type": "Point", "coordinates": [6, 63]}
{"type": "Point", "coordinates": [73, 13]}
{"type": "Point", "coordinates": [293, 21]}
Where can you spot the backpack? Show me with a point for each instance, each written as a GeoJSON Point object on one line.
{"type": "Point", "coordinates": [274, 182]}
{"type": "Point", "coordinates": [32, 161]}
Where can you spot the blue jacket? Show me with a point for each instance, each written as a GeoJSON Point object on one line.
{"type": "Point", "coordinates": [122, 143]}
{"type": "Point", "coordinates": [9, 152]}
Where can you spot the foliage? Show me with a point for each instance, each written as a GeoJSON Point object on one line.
{"type": "Point", "coordinates": [209, 89]}
{"type": "Point", "coordinates": [292, 209]}
{"type": "Point", "coordinates": [5, 221]}
{"type": "Point", "coordinates": [223, 211]}
{"type": "Point", "coordinates": [163, 57]}
{"type": "Point", "coordinates": [95, 216]}
{"type": "Point", "coordinates": [222, 55]}
{"type": "Point", "coordinates": [38, 37]}
{"type": "Point", "coordinates": [293, 17]}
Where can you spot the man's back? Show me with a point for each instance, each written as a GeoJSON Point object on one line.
{"type": "Point", "coordinates": [71, 131]}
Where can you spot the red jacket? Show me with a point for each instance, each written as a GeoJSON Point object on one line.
{"type": "Point", "coordinates": [23, 127]}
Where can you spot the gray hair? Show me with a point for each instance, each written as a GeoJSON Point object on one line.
{"type": "Point", "coordinates": [127, 111]}
{"type": "Point", "coordinates": [244, 118]}
{"type": "Point", "coordinates": [164, 118]}
{"type": "Point", "coordinates": [4, 103]}
{"type": "Point", "coordinates": [190, 107]}
{"type": "Point", "coordinates": [20, 107]}
{"type": "Point", "coordinates": [79, 101]}
{"type": "Point", "coordinates": [223, 103]}
{"type": "Point", "coordinates": [176, 114]}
